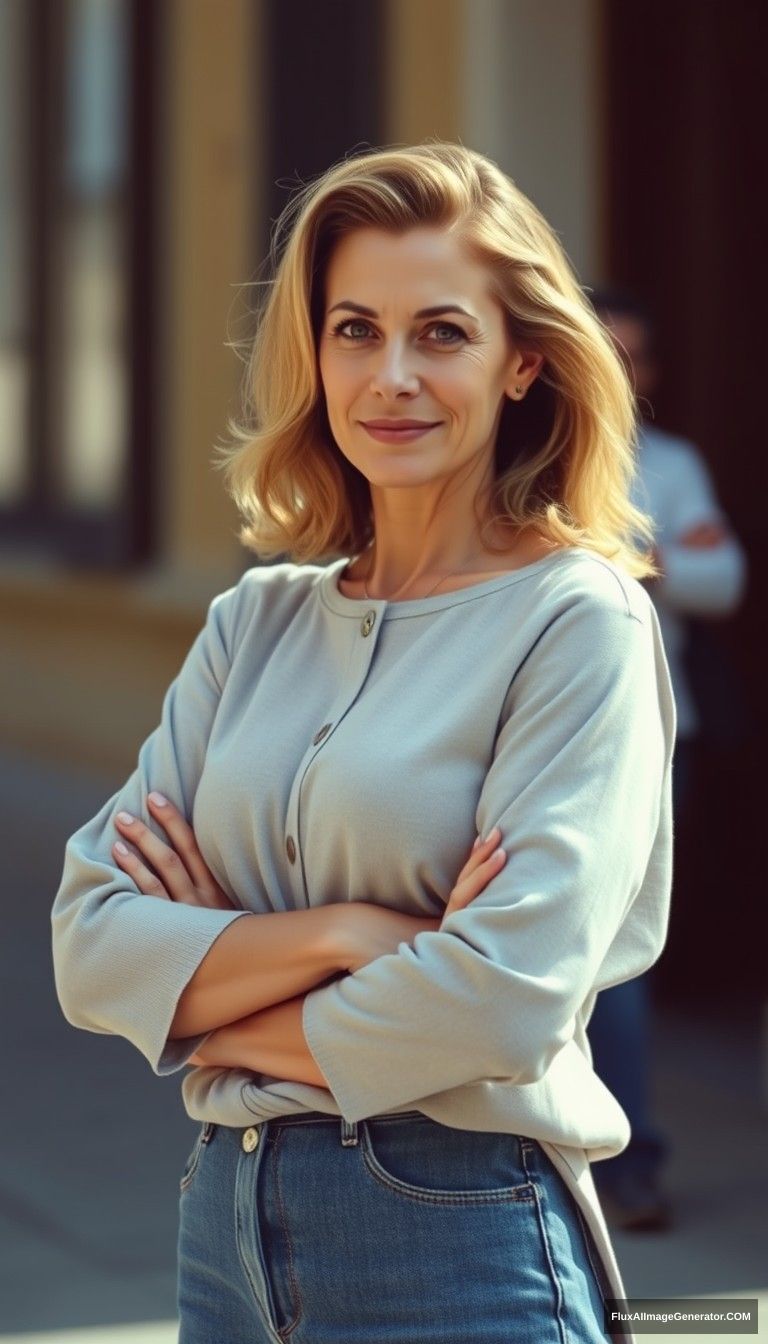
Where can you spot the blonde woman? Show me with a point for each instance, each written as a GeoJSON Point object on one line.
{"type": "Point", "coordinates": [390, 1067]}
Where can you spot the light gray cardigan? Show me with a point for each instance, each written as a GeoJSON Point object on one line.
{"type": "Point", "coordinates": [540, 701]}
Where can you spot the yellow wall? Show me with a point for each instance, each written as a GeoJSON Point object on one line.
{"type": "Point", "coordinates": [85, 660]}
{"type": "Point", "coordinates": [213, 157]}
{"type": "Point", "coordinates": [519, 80]}
{"type": "Point", "coordinates": [424, 61]}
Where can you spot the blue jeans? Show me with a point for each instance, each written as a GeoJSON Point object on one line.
{"type": "Point", "coordinates": [391, 1230]}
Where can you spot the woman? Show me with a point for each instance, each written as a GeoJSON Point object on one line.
{"type": "Point", "coordinates": [392, 1075]}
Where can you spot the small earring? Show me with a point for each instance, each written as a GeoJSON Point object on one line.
{"type": "Point", "coordinates": [519, 390]}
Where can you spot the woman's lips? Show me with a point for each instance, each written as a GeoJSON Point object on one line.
{"type": "Point", "coordinates": [393, 434]}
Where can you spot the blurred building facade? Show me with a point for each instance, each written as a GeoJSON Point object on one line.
{"type": "Point", "coordinates": [145, 150]}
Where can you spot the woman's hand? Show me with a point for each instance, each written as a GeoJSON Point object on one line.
{"type": "Point", "coordinates": [484, 862]}
{"type": "Point", "coordinates": [371, 931]}
{"type": "Point", "coordinates": [179, 871]}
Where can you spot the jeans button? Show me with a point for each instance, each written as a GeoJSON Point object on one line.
{"type": "Point", "coordinates": [250, 1140]}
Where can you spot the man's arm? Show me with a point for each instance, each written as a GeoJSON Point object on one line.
{"type": "Point", "coordinates": [703, 567]}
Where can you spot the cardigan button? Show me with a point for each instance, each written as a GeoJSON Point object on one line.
{"type": "Point", "coordinates": [290, 849]}
{"type": "Point", "coordinates": [321, 733]}
{"type": "Point", "coordinates": [367, 623]}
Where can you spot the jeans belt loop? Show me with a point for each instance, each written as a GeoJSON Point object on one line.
{"type": "Point", "coordinates": [348, 1132]}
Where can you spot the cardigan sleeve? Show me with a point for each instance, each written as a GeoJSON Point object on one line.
{"type": "Point", "coordinates": [579, 785]}
{"type": "Point", "coordinates": [121, 958]}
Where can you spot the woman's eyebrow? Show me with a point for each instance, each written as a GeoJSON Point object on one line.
{"type": "Point", "coordinates": [438, 310]}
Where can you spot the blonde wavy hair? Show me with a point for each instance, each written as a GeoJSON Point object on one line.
{"type": "Point", "coordinates": [564, 456]}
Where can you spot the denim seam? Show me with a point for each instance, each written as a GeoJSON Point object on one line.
{"type": "Point", "coordinates": [601, 1285]}
{"type": "Point", "coordinates": [192, 1162]}
{"type": "Point", "coordinates": [513, 1194]}
{"type": "Point", "coordinates": [528, 1151]}
{"type": "Point", "coordinates": [559, 1299]}
{"type": "Point", "coordinates": [286, 1330]}
{"type": "Point", "coordinates": [262, 1308]}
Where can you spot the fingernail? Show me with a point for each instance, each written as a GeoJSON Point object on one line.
{"type": "Point", "coordinates": [492, 834]}
{"type": "Point", "coordinates": [125, 817]}
{"type": "Point", "coordinates": [477, 842]}
{"type": "Point", "coordinates": [157, 798]}
{"type": "Point", "coordinates": [122, 849]}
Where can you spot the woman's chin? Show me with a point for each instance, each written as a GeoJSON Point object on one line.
{"type": "Point", "coordinates": [401, 473]}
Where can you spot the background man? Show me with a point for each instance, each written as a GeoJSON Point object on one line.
{"type": "Point", "coordinates": [703, 572]}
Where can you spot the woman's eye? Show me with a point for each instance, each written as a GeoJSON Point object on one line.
{"type": "Point", "coordinates": [454, 333]}
{"type": "Point", "coordinates": [445, 333]}
{"type": "Point", "coordinates": [341, 329]}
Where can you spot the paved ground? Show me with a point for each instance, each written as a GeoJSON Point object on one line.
{"type": "Point", "coordinates": [94, 1144]}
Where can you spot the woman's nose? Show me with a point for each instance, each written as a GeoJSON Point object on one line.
{"type": "Point", "coordinates": [393, 372]}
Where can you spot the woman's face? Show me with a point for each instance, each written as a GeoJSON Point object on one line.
{"type": "Point", "coordinates": [412, 332]}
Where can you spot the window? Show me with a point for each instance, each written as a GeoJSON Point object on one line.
{"type": "Point", "coordinates": [75, 247]}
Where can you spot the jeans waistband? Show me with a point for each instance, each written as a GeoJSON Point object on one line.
{"type": "Point", "coordinates": [322, 1117]}
{"type": "Point", "coordinates": [348, 1128]}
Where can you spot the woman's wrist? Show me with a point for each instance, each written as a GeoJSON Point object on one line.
{"type": "Point", "coordinates": [343, 933]}
{"type": "Point", "coordinates": [271, 1041]}
{"type": "Point", "coordinates": [233, 1046]}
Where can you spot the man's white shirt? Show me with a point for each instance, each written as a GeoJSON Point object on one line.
{"type": "Point", "coordinates": [673, 484]}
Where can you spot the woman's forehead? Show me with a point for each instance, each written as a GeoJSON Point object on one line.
{"type": "Point", "coordinates": [423, 267]}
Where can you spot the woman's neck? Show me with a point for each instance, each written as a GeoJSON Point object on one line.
{"type": "Point", "coordinates": [422, 535]}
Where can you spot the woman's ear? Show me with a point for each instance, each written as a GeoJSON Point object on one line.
{"type": "Point", "coordinates": [523, 369]}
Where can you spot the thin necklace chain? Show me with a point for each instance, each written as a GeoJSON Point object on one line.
{"type": "Point", "coordinates": [427, 594]}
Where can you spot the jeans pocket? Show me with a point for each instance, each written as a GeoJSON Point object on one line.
{"type": "Point", "coordinates": [204, 1136]}
{"type": "Point", "coordinates": [433, 1163]}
